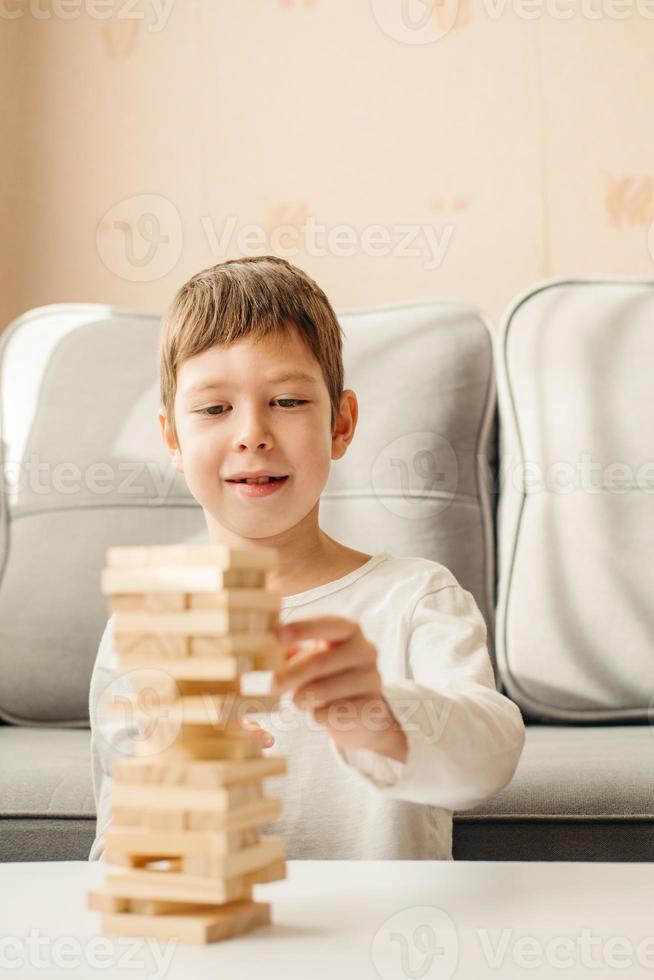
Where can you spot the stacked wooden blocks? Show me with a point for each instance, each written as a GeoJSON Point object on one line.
{"type": "Point", "coordinates": [187, 807]}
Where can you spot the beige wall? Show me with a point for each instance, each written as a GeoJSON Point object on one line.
{"type": "Point", "coordinates": [523, 147]}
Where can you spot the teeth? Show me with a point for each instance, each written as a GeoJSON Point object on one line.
{"type": "Point", "coordinates": [261, 479]}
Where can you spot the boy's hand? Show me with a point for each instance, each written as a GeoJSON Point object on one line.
{"type": "Point", "coordinates": [332, 669]}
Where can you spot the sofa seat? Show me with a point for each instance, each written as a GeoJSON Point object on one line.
{"type": "Point", "coordinates": [47, 811]}
{"type": "Point", "coordinates": [580, 793]}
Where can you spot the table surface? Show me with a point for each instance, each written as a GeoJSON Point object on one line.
{"type": "Point", "coordinates": [356, 919]}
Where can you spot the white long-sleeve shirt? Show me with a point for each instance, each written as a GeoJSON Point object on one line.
{"type": "Point", "coordinates": [465, 737]}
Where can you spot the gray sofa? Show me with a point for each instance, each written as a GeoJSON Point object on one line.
{"type": "Point", "coordinates": [470, 451]}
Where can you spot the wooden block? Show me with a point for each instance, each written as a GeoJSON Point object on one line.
{"type": "Point", "coordinates": [200, 772]}
{"type": "Point", "coordinates": [223, 556]}
{"type": "Point", "coordinates": [143, 849]}
{"type": "Point", "coordinates": [175, 817]}
{"type": "Point", "coordinates": [141, 883]}
{"type": "Point", "coordinates": [211, 669]}
{"type": "Point", "coordinates": [220, 709]}
{"type": "Point", "coordinates": [145, 646]}
{"type": "Point", "coordinates": [237, 862]}
{"type": "Point", "coordinates": [183, 688]}
{"type": "Point", "coordinates": [190, 668]}
{"type": "Point", "coordinates": [142, 840]}
{"type": "Point", "coordinates": [175, 743]}
{"type": "Point", "coordinates": [190, 731]}
{"type": "Point", "coordinates": [216, 712]}
{"type": "Point", "coordinates": [104, 902]}
{"type": "Point", "coordinates": [238, 643]}
{"type": "Point", "coordinates": [272, 872]}
{"type": "Point", "coordinates": [232, 795]}
{"type": "Point", "coordinates": [244, 578]}
{"type": "Point", "coordinates": [158, 681]}
{"type": "Point", "coordinates": [210, 588]}
{"type": "Point", "coordinates": [156, 819]}
{"type": "Point", "coordinates": [249, 600]}
{"type": "Point", "coordinates": [242, 817]}
{"type": "Point", "coordinates": [269, 661]}
{"type": "Point", "coordinates": [222, 799]}
{"type": "Point", "coordinates": [248, 837]}
{"type": "Point", "coordinates": [122, 860]}
{"type": "Point", "coordinates": [163, 601]}
{"type": "Point", "coordinates": [195, 927]}
{"type": "Point", "coordinates": [249, 817]}
{"type": "Point", "coordinates": [194, 622]}
{"type": "Point", "coordinates": [200, 749]}
{"type": "Point", "coordinates": [170, 578]}
{"type": "Point", "coordinates": [212, 622]}
{"type": "Point", "coordinates": [148, 601]}
{"type": "Point", "coordinates": [153, 906]}
{"type": "Point", "coordinates": [245, 620]}
{"type": "Point", "coordinates": [201, 586]}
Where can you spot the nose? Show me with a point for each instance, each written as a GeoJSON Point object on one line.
{"type": "Point", "coordinates": [252, 433]}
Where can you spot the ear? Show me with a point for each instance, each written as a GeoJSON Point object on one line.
{"type": "Point", "coordinates": [345, 424]}
{"type": "Point", "coordinates": [170, 442]}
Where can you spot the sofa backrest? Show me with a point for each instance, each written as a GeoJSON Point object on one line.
{"type": "Point", "coordinates": [575, 614]}
{"type": "Point", "coordinates": [84, 468]}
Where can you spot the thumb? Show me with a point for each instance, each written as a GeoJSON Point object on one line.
{"type": "Point", "coordinates": [268, 739]}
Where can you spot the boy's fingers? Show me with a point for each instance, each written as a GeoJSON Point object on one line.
{"type": "Point", "coordinates": [258, 730]}
{"type": "Point", "coordinates": [347, 685]}
{"type": "Point", "coordinates": [305, 668]}
{"type": "Point", "coordinates": [303, 650]}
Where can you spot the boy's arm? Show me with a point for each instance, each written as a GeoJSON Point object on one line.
{"type": "Point", "coordinates": [465, 738]}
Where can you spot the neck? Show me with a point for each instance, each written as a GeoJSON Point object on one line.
{"type": "Point", "coordinates": [300, 551]}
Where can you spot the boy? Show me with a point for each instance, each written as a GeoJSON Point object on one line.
{"type": "Point", "coordinates": [389, 716]}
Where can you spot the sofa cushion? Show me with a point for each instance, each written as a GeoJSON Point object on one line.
{"type": "Point", "coordinates": [87, 469]}
{"type": "Point", "coordinates": [419, 476]}
{"type": "Point", "coordinates": [580, 793]}
{"type": "Point", "coordinates": [47, 812]}
{"type": "Point", "coordinates": [575, 608]}
{"type": "Point", "coordinates": [45, 772]}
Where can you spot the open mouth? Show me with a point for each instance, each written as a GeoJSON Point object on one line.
{"type": "Point", "coordinates": [261, 481]}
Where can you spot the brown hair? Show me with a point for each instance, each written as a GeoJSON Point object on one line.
{"type": "Point", "coordinates": [256, 297]}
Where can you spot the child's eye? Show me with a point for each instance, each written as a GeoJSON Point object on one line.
{"type": "Point", "coordinates": [208, 411]}
{"type": "Point", "coordinates": [287, 402]}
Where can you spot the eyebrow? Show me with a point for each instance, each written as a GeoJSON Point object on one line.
{"type": "Point", "coordinates": [277, 379]}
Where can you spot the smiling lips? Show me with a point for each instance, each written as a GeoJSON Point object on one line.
{"type": "Point", "coordinates": [258, 489]}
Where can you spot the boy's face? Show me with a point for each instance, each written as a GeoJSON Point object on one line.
{"type": "Point", "coordinates": [256, 417]}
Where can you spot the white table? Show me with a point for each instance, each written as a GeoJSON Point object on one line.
{"type": "Point", "coordinates": [350, 920]}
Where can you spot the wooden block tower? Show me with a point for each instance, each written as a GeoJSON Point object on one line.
{"type": "Point", "coordinates": [184, 836]}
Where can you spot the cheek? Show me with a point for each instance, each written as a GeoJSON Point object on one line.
{"type": "Point", "coordinates": [203, 450]}
{"type": "Point", "coordinates": [314, 456]}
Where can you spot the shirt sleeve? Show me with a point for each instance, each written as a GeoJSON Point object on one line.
{"type": "Point", "coordinates": [112, 737]}
{"type": "Point", "coordinates": [464, 737]}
